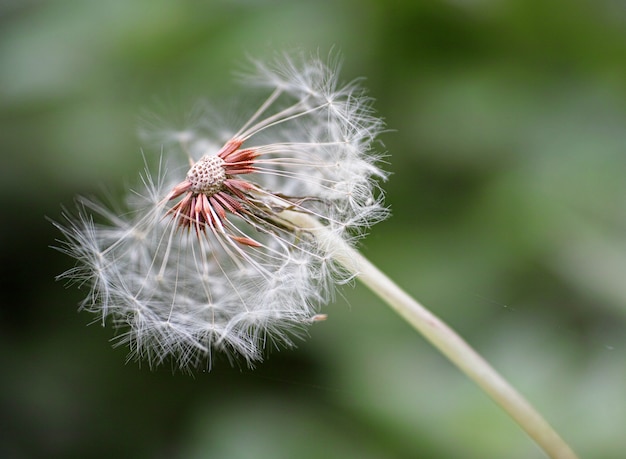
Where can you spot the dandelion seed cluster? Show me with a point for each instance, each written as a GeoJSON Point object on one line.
{"type": "Point", "coordinates": [202, 259]}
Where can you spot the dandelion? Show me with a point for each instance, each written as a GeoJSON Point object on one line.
{"type": "Point", "coordinates": [203, 257]}
{"type": "Point", "coordinates": [237, 239]}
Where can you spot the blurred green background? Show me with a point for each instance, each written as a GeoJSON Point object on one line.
{"type": "Point", "coordinates": [508, 154]}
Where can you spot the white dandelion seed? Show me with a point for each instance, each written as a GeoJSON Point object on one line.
{"type": "Point", "coordinates": [203, 260]}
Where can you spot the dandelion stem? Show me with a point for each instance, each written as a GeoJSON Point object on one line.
{"type": "Point", "coordinates": [440, 335]}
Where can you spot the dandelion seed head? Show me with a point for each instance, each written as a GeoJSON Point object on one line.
{"type": "Point", "coordinates": [199, 259]}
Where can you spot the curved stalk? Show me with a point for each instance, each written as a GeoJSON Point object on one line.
{"type": "Point", "coordinates": [440, 335]}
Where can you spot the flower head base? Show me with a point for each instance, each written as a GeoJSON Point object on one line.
{"type": "Point", "coordinates": [207, 176]}
{"type": "Point", "coordinates": [210, 190]}
{"type": "Point", "coordinates": [207, 259]}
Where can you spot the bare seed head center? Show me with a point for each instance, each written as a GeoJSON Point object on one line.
{"type": "Point", "coordinates": [207, 175]}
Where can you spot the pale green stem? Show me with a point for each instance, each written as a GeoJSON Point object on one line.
{"type": "Point", "coordinates": [439, 334]}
